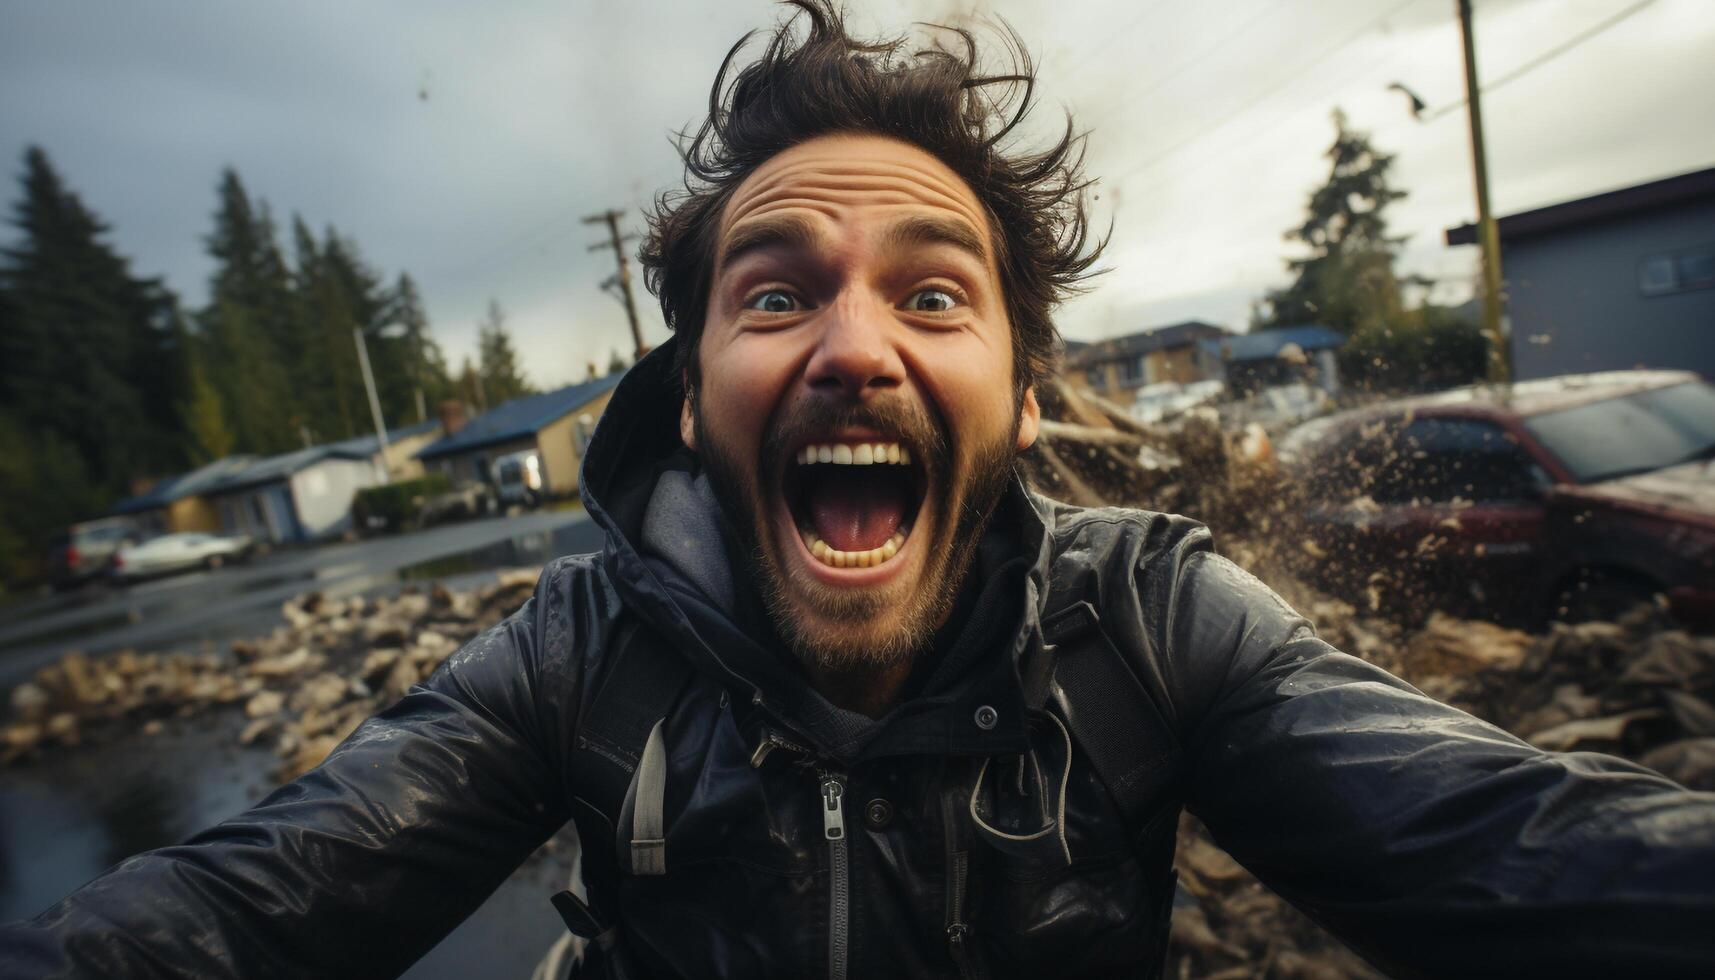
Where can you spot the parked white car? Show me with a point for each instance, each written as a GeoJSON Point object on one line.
{"type": "Point", "coordinates": [178, 552]}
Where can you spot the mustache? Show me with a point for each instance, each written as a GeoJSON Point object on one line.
{"type": "Point", "coordinates": [895, 418]}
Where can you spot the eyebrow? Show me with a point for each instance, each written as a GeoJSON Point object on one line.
{"type": "Point", "coordinates": [935, 230]}
{"type": "Point", "coordinates": [783, 231]}
{"type": "Point", "coordinates": [797, 233]}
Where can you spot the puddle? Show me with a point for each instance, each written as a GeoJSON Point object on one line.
{"type": "Point", "coordinates": [69, 818]}
{"type": "Point", "coordinates": [537, 548]}
{"type": "Point", "coordinates": [65, 820]}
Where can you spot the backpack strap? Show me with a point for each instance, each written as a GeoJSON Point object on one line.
{"type": "Point", "coordinates": [619, 761]}
{"type": "Point", "coordinates": [1111, 715]}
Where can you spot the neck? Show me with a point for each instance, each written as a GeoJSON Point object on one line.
{"type": "Point", "coordinates": [868, 689]}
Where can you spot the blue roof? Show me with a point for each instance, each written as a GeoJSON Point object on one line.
{"type": "Point", "coordinates": [520, 417]}
{"type": "Point", "coordinates": [234, 472]}
{"type": "Point", "coordinates": [184, 485]}
{"type": "Point", "coordinates": [369, 445]}
{"type": "Point", "coordinates": [1262, 345]}
{"type": "Point", "coordinates": [282, 467]}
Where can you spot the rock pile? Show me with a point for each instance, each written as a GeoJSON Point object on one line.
{"type": "Point", "coordinates": [304, 687]}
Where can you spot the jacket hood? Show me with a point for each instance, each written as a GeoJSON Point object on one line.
{"type": "Point", "coordinates": [638, 432]}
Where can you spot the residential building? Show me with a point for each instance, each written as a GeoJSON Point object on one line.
{"type": "Point", "coordinates": [1281, 355]}
{"type": "Point", "coordinates": [556, 424]}
{"type": "Point", "coordinates": [403, 444]}
{"type": "Point", "coordinates": [1118, 366]}
{"type": "Point", "coordinates": [305, 495]}
{"type": "Point", "coordinates": [1624, 279]}
{"type": "Point", "coordinates": [181, 503]}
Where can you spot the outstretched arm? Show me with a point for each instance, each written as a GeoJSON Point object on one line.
{"type": "Point", "coordinates": [1434, 843]}
{"type": "Point", "coordinates": [356, 868]}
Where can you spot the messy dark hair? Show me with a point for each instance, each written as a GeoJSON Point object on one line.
{"type": "Point", "coordinates": [937, 99]}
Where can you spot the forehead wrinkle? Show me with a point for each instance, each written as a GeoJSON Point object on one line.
{"type": "Point", "coordinates": [912, 182]}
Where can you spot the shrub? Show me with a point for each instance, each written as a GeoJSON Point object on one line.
{"type": "Point", "coordinates": [393, 506]}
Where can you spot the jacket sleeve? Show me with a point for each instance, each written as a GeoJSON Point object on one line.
{"type": "Point", "coordinates": [358, 867]}
{"type": "Point", "coordinates": [1432, 842]}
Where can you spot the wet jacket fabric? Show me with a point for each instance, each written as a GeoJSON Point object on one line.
{"type": "Point", "coordinates": [1432, 842]}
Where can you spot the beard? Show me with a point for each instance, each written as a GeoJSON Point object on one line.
{"type": "Point", "coordinates": [857, 629]}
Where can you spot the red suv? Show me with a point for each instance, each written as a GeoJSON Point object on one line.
{"type": "Point", "coordinates": [1564, 498]}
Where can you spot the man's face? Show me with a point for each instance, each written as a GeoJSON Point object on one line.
{"type": "Point", "coordinates": [857, 411]}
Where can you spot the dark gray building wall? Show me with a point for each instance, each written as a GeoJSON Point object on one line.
{"type": "Point", "coordinates": [1576, 304]}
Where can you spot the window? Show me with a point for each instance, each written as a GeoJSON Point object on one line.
{"type": "Point", "coordinates": [1636, 433]}
{"type": "Point", "coordinates": [1676, 272]}
{"type": "Point", "coordinates": [1442, 460]}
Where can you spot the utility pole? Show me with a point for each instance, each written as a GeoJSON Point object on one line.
{"type": "Point", "coordinates": [1500, 354]}
{"type": "Point", "coordinates": [374, 402]}
{"type": "Point", "coordinates": [622, 279]}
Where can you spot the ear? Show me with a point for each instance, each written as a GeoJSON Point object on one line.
{"type": "Point", "coordinates": [1029, 419]}
{"type": "Point", "coordinates": [688, 418]}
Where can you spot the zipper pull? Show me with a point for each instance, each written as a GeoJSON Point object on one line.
{"type": "Point", "coordinates": [833, 814]}
{"type": "Point", "coordinates": [762, 749]}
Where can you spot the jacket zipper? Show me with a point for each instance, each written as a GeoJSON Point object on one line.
{"type": "Point", "coordinates": [833, 789]}
{"type": "Point", "coordinates": [958, 875]}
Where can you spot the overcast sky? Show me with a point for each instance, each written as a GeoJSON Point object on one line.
{"type": "Point", "coordinates": [463, 142]}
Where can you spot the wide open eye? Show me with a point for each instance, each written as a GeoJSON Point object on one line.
{"type": "Point", "coordinates": [774, 301]}
{"type": "Point", "coordinates": [931, 301]}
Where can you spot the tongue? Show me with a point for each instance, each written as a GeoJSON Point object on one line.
{"type": "Point", "coordinates": [856, 513]}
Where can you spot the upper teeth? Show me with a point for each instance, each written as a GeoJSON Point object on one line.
{"type": "Point", "coordinates": [860, 454]}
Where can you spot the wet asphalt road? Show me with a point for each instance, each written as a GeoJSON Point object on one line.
{"type": "Point", "coordinates": [187, 610]}
{"type": "Point", "coordinates": [65, 819]}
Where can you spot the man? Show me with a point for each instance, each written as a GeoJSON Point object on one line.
{"type": "Point", "coordinates": [841, 698]}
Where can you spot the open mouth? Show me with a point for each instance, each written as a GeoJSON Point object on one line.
{"type": "Point", "coordinates": [853, 503]}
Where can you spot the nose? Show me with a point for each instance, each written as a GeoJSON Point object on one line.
{"type": "Point", "coordinates": [854, 354]}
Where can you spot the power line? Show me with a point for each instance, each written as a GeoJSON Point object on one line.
{"type": "Point", "coordinates": [1543, 59]}
{"type": "Point", "coordinates": [1264, 94]}
{"type": "Point", "coordinates": [1202, 53]}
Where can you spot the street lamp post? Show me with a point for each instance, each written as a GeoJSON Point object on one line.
{"type": "Point", "coordinates": [374, 400]}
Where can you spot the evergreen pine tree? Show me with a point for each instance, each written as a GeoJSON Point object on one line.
{"type": "Point", "coordinates": [90, 351]}
{"type": "Point", "coordinates": [469, 387]}
{"type": "Point", "coordinates": [1346, 281]}
{"type": "Point", "coordinates": [502, 380]}
{"type": "Point", "coordinates": [427, 363]}
{"type": "Point", "coordinates": [248, 325]}
{"type": "Point", "coordinates": [205, 418]}
{"type": "Point", "coordinates": [90, 356]}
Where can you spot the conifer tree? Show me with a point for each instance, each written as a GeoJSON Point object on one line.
{"type": "Point", "coordinates": [248, 325]}
{"type": "Point", "coordinates": [427, 364]}
{"type": "Point", "coordinates": [1346, 279]}
{"type": "Point", "coordinates": [90, 359]}
{"type": "Point", "coordinates": [205, 418]}
{"type": "Point", "coordinates": [91, 351]}
{"type": "Point", "coordinates": [502, 380]}
{"type": "Point", "coordinates": [469, 386]}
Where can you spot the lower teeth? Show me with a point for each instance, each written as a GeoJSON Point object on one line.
{"type": "Point", "coordinates": [835, 558]}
